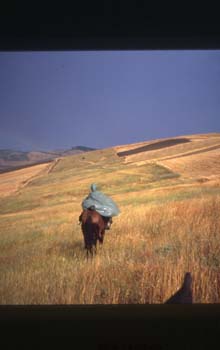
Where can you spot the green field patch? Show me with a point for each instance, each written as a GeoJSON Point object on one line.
{"type": "Point", "coordinates": [211, 261]}
{"type": "Point", "coordinates": [193, 193]}
{"type": "Point", "coordinates": [90, 160]}
{"type": "Point", "coordinates": [19, 203]}
{"type": "Point", "coordinates": [180, 195]}
{"type": "Point", "coordinates": [135, 179]}
{"type": "Point", "coordinates": [20, 236]}
{"type": "Point", "coordinates": [168, 249]}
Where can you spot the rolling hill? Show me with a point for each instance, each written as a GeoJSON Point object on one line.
{"type": "Point", "coordinates": [196, 156]}
{"type": "Point", "coordinates": [12, 159]}
{"type": "Point", "coordinates": [168, 192]}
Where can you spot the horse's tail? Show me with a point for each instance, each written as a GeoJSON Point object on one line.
{"type": "Point", "coordinates": [91, 235]}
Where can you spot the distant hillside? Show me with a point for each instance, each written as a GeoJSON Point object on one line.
{"type": "Point", "coordinates": [194, 156]}
{"type": "Point", "coordinates": [10, 155]}
{"type": "Point", "coordinates": [13, 159]}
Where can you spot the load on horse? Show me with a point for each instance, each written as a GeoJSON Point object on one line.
{"type": "Point", "coordinates": [98, 210]}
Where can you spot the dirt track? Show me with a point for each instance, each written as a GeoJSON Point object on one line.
{"type": "Point", "coordinates": [52, 166]}
{"type": "Point", "coordinates": [48, 170]}
{"type": "Point", "coordinates": [14, 181]}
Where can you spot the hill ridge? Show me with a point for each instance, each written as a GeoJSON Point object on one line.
{"type": "Point", "coordinates": [13, 159]}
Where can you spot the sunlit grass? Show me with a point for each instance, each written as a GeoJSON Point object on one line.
{"type": "Point", "coordinates": [165, 229]}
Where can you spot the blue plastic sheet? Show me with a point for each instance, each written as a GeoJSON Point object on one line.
{"type": "Point", "coordinates": [103, 204]}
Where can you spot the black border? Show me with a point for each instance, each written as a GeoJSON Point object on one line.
{"type": "Point", "coordinates": [117, 326]}
{"type": "Point", "coordinates": [125, 320]}
{"type": "Point", "coordinates": [109, 25]}
{"type": "Point", "coordinates": [113, 28]}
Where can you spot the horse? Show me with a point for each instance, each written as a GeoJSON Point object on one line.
{"type": "Point", "coordinates": [93, 229]}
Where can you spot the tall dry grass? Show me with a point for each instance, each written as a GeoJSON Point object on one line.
{"type": "Point", "coordinates": [143, 259]}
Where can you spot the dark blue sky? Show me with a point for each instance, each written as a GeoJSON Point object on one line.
{"type": "Point", "coordinates": [51, 100]}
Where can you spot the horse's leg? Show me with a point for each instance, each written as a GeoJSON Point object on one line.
{"type": "Point", "coordinates": [95, 238]}
{"type": "Point", "coordinates": [88, 246]}
{"type": "Point", "coordinates": [100, 239]}
{"type": "Point", "coordinates": [103, 233]}
{"type": "Point", "coordinates": [84, 237]}
{"type": "Point", "coordinates": [101, 236]}
{"type": "Point", "coordinates": [89, 252]}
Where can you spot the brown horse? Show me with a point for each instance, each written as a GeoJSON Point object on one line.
{"type": "Point", "coordinates": [93, 228]}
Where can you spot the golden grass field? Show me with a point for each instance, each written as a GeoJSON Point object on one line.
{"type": "Point", "coordinates": [169, 224]}
{"type": "Point", "coordinates": [13, 181]}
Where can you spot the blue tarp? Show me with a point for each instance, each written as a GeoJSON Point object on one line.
{"type": "Point", "coordinates": [103, 204]}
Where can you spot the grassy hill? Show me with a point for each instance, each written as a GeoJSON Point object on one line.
{"type": "Point", "coordinates": [168, 192]}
